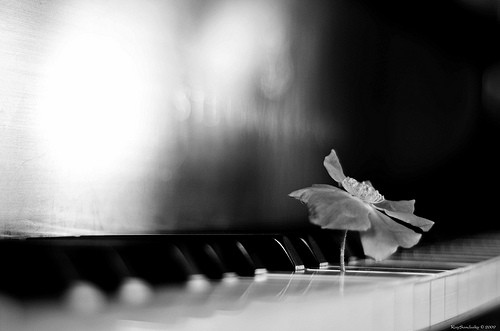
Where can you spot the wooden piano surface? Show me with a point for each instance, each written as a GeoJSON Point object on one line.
{"type": "Point", "coordinates": [240, 282]}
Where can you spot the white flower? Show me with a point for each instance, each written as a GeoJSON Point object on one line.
{"type": "Point", "coordinates": [362, 208]}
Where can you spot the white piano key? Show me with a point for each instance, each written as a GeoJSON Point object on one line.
{"type": "Point", "coordinates": [463, 291]}
{"type": "Point", "coordinates": [482, 284]}
{"type": "Point", "coordinates": [356, 313]}
{"type": "Point", "coordinates": [383, 309]}
{"type": "Point", "coordinates": [497, 273]}
{"type": "Point", "coordinates": [437, 300]}
{"type": "Point", "coordinates": [403, 307]}
{"type": "Point", "coordinates": [496, 277]}
{"type": "Point", "coordinates": [451, 296]}
{"type": "Point", "coordinates": [421, 305]}
{"type": "Point", "coordinates": [490, 284]}
{"type": "Point", "coordinates": [474, 293]}
{"type": "Point", "coordinates": [10, 314]}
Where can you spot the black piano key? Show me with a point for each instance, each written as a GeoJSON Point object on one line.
{"type": "Point", "coordinates": [235, 257]}
{"type": "Point", "coordinates": [292, 253]}
{"type": "Point", "coordinates": [98, 264]}
{"type": "Point", "coordinates": [329, 241]}
{"type": "Point", "coordinates": [188, 263]}
{"type": "Point", "coordinates": [206, 260]}
{"type": "Point", "coordinates": [270, 251]}
{"type": "Point", "coordinates": [155, 261]}
{"type": "Point", "coordinates": [30, 270]}
{"type": "Point", "coordinates": [258, 266]}
{"type": "Point", "coordinates": [316, 251]}
{"type": "Point", "coordinates": [309, 251]}
{"type": "Point", "coordinates": [225, 269]}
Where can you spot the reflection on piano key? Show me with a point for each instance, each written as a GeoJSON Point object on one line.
{"type": "Point", "coordinates": [83, 297]}
{"type": "Point", "coordinates": [134, 291]}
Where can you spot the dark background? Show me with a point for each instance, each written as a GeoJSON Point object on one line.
{"type": "Point", "coordinates": [409, 78]}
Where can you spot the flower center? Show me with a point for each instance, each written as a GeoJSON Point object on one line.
{"type": "Point", "coordinates": [363, 190]}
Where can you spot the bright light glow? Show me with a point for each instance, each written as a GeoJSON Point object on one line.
{"type": "Point", "coordinates": [236, 42]}
{"type": "Point", "coordinates": [104, 91]}
{"type": "Point", "coordinates": [94, 100]}
{"type": "Point", "coordinates": [229, 45]}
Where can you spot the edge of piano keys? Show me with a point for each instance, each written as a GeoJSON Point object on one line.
{"type": "Point", "coordinates": [449, 297]}
{"type": "Point", "coordinates": [426, 302]}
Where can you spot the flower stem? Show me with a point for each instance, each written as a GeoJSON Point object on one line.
{"type": "Point", "coordinates": [342, 253]}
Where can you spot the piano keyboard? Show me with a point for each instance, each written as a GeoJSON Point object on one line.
{"type": "Point", "coordinates": [240, 282]}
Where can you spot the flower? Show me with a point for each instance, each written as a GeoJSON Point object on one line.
{"type": "Point", "coordinates": [362, 208]}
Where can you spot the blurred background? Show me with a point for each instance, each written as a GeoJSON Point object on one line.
{"type": "Point", "coordinates": [168, 115]}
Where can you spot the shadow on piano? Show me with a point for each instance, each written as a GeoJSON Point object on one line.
{"type": "Point", "coordinates": [282, 281]}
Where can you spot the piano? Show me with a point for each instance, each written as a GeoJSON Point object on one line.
{"type": "Point", "coordinates": [243, 281]}
{"type": "Point", "coordinates": [147, 150]}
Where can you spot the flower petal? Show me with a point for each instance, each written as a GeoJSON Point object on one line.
{"type": "Point", "coordinates": [414, 220]}
{"type": "Point", "coordinates": [404, 206]}
{"type": "Point", "coordinates": [333, 208]}
{"type": "Point", "coordinates": [385, 235]}
{"type": "Point", "coordinates": [332, 165]}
